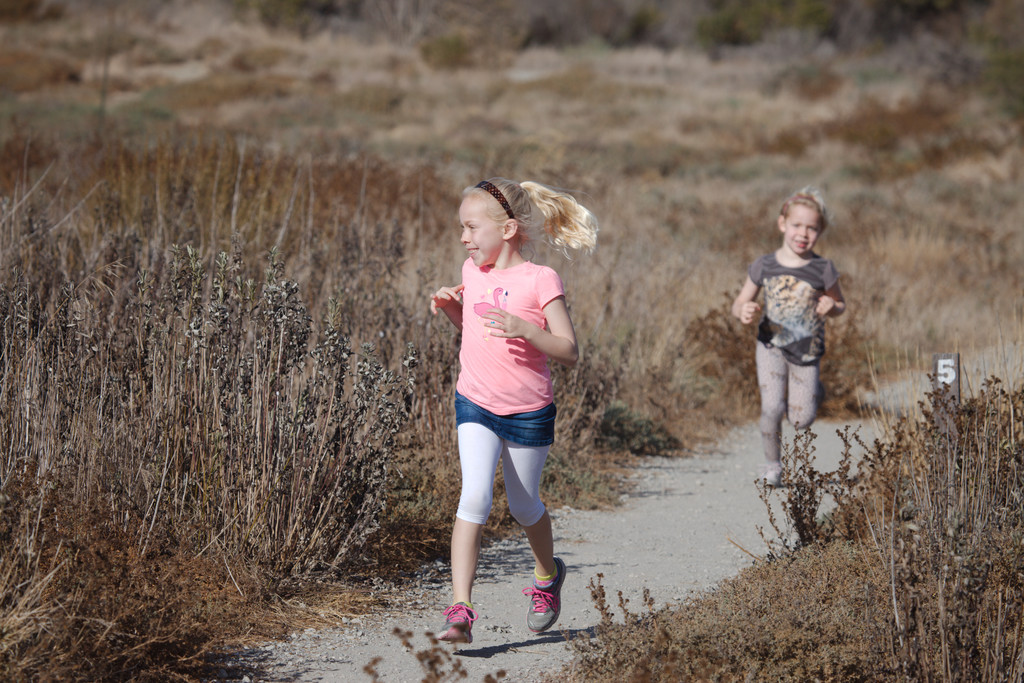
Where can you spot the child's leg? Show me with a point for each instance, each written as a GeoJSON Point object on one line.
{"type": "Point", "coordinates": [543, 546]}
{"type": "Point", "coordinates": [465, 554]}
{"type": "Point", "coordinates": [803, 394]}
{"type": "Point", "coordinates": [771, 378]}
{"type": "Point", "coordinates": [479, 451]}
{"type": "Point", "coordinates": [522, 470]}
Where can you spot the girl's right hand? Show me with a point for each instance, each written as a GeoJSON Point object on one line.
{"type": "Point", "coordinates": [748, 312]}
{"type": "Point", "coordinates": [445, 296]}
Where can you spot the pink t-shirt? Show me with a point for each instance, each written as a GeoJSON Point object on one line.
{"type": "Point", "coordinates": [505, 376]}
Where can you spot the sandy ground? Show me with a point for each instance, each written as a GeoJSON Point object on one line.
{"type": "Point", "coordinates": [687, 524]}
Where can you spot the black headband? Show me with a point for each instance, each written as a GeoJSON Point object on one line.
{"type": "Point", "coordinates": [496, 193]}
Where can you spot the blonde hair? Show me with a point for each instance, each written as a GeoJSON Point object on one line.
{"type": "Point", "coordinates": [566, 223]}
{"type": "Point", "coordinates": [812, 198]}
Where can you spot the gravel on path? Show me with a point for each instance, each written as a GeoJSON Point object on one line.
{"type": "Point", "coordinates": [686, 524]}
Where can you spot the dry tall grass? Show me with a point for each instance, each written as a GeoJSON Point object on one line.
{"type": "Point", "coordinates": [915, 575]}
{"type": "Point", "coordinates": [208, 388]}
{"type": "Point", "coordinates": [175, 421]}
{"type": "Point", "coordinates": [173, 426]}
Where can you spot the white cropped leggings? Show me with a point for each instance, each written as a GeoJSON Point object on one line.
{"type": "Point", "coordinates": [479, 452]}
{"type": "Point", "coordinates": [787, 390]}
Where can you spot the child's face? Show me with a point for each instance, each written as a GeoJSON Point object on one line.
{"type": "Point", "coordinates": [482, 237]}
{"type": "Point", "coordinates": [801, 228]}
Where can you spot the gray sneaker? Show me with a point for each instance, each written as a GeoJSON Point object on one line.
{"type": "Point", "coordinates": [772, 475]}
{"type": "Point", "coordinates": [545, 603]}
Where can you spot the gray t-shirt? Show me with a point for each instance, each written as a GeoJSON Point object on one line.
{"type": "Point", "coordinates": [789, 322]}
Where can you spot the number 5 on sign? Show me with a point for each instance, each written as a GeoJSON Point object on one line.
{"type": "Point", "coordinates": [947, 374]}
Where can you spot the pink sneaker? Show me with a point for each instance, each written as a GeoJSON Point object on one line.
{"type": "Point", "coordinates": [459, 625]}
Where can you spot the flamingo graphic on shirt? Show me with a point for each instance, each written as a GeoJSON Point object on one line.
{"type": "Point", "coordinates": [500, 301]}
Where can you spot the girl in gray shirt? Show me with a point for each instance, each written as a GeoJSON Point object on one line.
{"type": "Point", "coordinates": [801, 289]}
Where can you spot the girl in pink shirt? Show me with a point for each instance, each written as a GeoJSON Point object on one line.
{"type": "Point", "coordinates": [513, 317]}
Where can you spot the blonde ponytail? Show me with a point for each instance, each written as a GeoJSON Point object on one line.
{"type": "Point", "coordinates": [566, 223]}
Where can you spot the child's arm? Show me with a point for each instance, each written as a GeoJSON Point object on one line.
{"type": "Point", "coordinates": [449, 300]}
{"type": "Point", "coordinates": [744, 307]}
{"type": "Point", "coordinates": [831, 303]}
{"type": "Point", "coordinates": [558, 341]}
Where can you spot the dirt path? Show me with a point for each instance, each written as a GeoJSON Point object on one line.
{"type": "Point", "coordinates": [684, 527]}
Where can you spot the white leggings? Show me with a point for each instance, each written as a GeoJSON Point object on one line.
{"type": "Point", "coordinates": [479, 451]}
{"type": "Point", "coordinates": [787, 390]}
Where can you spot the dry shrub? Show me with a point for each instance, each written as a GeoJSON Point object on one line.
{"type": "Point", "coordinates": [805, 489]}
{"type": "Point", "coordinates": [224, 88]}
{"type": "Point", "coordinates": [876, 125]}
{"type": "Point", "coordinates": [910, 136]}
{"type": "Point", "coordinates": [724, 358]}
{"type": "Point", "coordinates": [792, 143]}
{"type": "Point", "coordinates": [240, 424]}
{"type": "Point", "coordinates": [898, 140]}
{"type": "Point", "coordinates": [23, 71]}
{"type": "Point", "coordinates": [581, 83]}
{"type": "Point", "coordinates": [575, 474]}
{"type": "Point", "coordinates": [846, 367]}
{"type": "Point", "coordinates": [158, 391]}
{"type": "Point", "coordinates": [811, 81]}
{"type": "Point", "coordinates": [437, 661]}
{"type": "Point", "coordinates": [786, 620]}
{"type": "Point", "coordinates": [942, 506]}
{"type": "Point", "coordinates": [258, 59]}
{"type": "Point", "coordinates": [203, 410]}
{"type": "Point", "coordinates": [18, 10]}
{"type": "Point", "coordinates": [101, 607]}
{"type": "Point", "coordinates": [375, 99]}
{"type": "Point", "coordinates": [154, 53]}
{"type": "Point", "coordinates": [30, 10]}
{"type": "Point", "coordinates": [212, 47]}
{"type": "Point", "coordinates": [916, 575]}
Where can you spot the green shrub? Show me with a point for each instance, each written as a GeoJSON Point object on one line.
{"type": "Point", "coordinates": [450, 51]}
{"type": "Point", "coordinates": [288, 13]}
{"type": "Point", "coordinates": [735, 22]}
{"type": "Point", "coordinates": [922, 7]}
{"type": "Point", "coordinates": [376, 99]}
{"type": "Point", "coordinates": [732, 24]}
{"type": "Point", "coordinates": [642, 25]}
{"type": "Point", "coordinates": [624, 429]}
{"type": "Point", "coordinates": [1004, 78]}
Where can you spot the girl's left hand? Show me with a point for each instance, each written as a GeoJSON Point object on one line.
{"type": "Point", "coordinates": [504, 324]}
{"type": "Point", "coordinates": [825, 305]}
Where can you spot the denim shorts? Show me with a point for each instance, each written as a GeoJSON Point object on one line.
{"type": "Point", "coordinates": [535, 428]}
